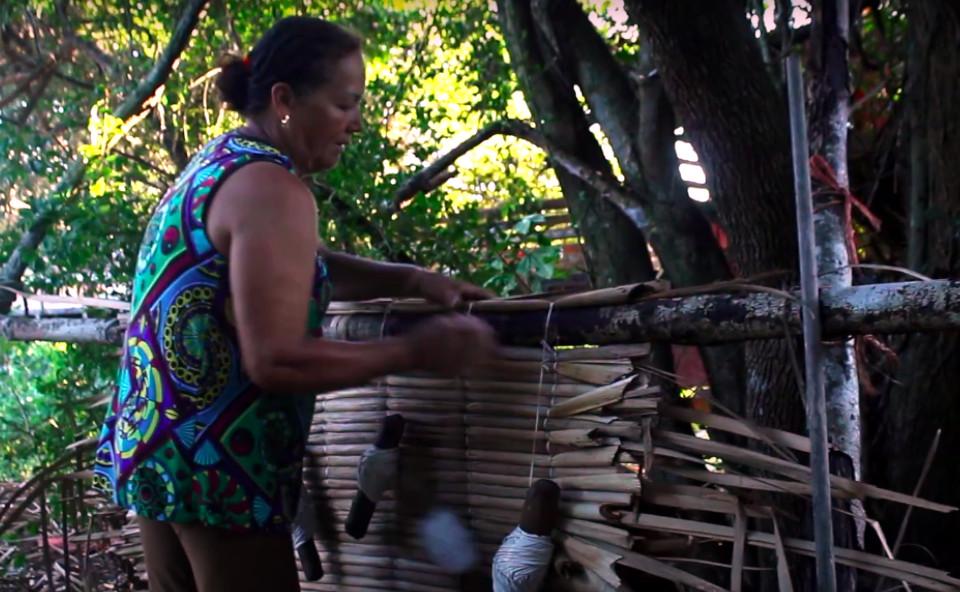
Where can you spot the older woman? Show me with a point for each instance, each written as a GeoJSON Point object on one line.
{"type": "Point", "coordinates": [206, 432]}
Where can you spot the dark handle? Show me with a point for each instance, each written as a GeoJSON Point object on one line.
{"type": "Point", "coordinates": [390, 432]}
{"type": "Point", "coordinates": [541, 508]}
{"type": "Point", "coordinates": [362, 508]}
{"type": "Point", "coordinates": [310, 561]}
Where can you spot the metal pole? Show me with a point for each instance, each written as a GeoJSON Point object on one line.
{"type": "Point", "coordinates": [812, 354]}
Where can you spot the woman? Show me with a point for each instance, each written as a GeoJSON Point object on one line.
{"type": "Point", "coordinates": [206, 432]}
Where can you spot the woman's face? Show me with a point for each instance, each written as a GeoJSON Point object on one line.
{"type": "Point", "coordinates": [323, 120]}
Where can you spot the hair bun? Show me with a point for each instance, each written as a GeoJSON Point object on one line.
{"type": "Point", "coordinates": [233, 82]}
{"type": "Point", "coordinates": [299, 51]}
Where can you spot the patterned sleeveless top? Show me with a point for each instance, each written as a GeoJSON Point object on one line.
{"type": "Point", "coordinates": [188, 437]}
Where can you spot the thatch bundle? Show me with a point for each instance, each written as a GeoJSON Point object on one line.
{"type": "Point", "coordinates": [640, 488]}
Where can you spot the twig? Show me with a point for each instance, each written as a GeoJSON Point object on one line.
{"type": "Point", "coordinates": [878, 530]}
{"type": "Point", "coordinates": [165, 174]}
{"type": "Point", "coordinates": [895, 268]}
{"type": "Point", "coordinates": [38, 74]}
{"type": "Point", "coordinates": [745, 284]}
{"type": "Point", "coordinates": [35, 95]}
{"type": "Point", "coordinates": [927, 462]}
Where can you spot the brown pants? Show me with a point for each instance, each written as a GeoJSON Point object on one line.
{"type": "Point", "coordinates": [197, 558]}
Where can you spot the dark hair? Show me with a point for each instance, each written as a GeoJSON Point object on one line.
{"type": "Point", "coordinates": [298, 50]}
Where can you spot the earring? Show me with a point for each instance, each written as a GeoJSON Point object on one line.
{"type": "Point", "coordinates": [285, 120]}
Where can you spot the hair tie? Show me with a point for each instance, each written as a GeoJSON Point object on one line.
{"type": "Point", "coordinates": [246, 63]}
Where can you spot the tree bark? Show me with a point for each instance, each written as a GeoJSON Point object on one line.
{"type": "Point", "coordinates": [924, 397]}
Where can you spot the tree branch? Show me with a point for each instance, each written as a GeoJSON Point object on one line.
{"type": "Point", "coordinates": [427, 178]}
{"type": "Point", "coordinates": [638, 120]}
{"type": "Point", "coordinates": [160, 71]}
{"type": "Point", "coordinates": [167, 176]}
{"type": "Point", "coordinates": [35, 95]}
{"type": "Point", "coordinates": [587, 59]}
{"type": "Point", "coordinates": [104, 61]}
{"type": "Point", "coordinates": [42, 72]}
{"type": "Point", "coordinates": [16, 328]}
{"type": "Point", "coordinates": [16, 265]}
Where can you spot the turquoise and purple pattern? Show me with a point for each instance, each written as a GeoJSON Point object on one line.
{"type": "Point", "coordinates": [188, 437]}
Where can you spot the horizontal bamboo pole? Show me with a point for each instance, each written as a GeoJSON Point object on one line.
{"type": "Point", "coordinates": [704, 318]}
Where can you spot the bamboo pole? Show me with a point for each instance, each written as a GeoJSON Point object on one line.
{"type": "Point", "coordinates": [812, 348]}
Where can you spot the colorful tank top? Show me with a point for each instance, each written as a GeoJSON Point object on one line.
{"type": "Point", "coordinates": [188, 437]}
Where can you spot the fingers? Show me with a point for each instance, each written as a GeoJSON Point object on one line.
{"type": "Point", "coordinates": [464, 292]}
{"type": "Point", "coordinates": [452, 299]}
{"type": "Point", "coordinates": [451, 344]}
{"type": "Point", "coordinates": [472, 292]}
{"type": "Point", "coordinates": [450, 293]}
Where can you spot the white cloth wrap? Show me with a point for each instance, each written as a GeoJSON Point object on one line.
{"type": "Point", "coordinates": [448, 543]}
{"type": "Point", "coordinates": [521, 562]}
{"type": "Point", "coordinates": [377, 471]}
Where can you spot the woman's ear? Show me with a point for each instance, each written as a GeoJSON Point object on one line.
{"type": "Point", "coordinates": [281, 99]}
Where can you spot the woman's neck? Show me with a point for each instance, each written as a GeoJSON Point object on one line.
{"type": "Point", "coordinates": [256, 129]}
{"type": "Point", "coordinates": [269, 134]}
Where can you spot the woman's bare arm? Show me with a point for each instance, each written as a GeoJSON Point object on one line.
{"type": "Point", "coordinates": [265, 220]}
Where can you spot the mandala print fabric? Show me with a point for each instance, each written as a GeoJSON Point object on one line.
{"type": "Point", "coordinates": [188, 437]}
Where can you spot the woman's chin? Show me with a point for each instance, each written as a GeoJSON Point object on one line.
{"type": "Point", "coordinates": [319, 166]}
{"type": "Point", "coordinates": [325, 162]}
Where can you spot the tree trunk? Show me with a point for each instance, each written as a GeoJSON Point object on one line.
{"type": "Point", "coordinates": [829, 112]}
{"type": "Point", "coordinates": [924, 397]}
{"type": "Point", "coordinates": [614, 246]}
{"type": "Point", "coordinates": [714, 74]}
{"type": "Point", "coordinates": [715, 78]}
{"type": "Point", "coordinates": [639, 123]}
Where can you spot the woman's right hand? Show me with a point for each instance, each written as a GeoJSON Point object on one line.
{"type": "Point", "coordinates": [451, 344]}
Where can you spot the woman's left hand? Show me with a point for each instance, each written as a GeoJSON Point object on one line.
{"type": "Point", "coordinates": [445, 291]}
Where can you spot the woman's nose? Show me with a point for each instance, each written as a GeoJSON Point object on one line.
{"type": "Point", "coordinates": [356, 123]}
